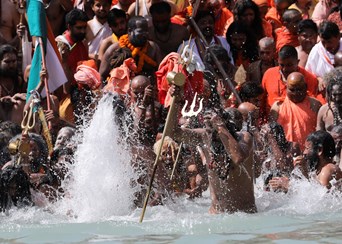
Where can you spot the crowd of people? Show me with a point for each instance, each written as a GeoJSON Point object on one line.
{"type": "Point", "coordinates": [263, 78]}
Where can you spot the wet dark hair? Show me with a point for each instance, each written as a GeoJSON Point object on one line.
{"type": "Point", "coordinates": [250, 90]}
{"type": "Point", "coordinates": [14, 175]}
{"type": "Point", "coordinates": [279, 135]}
{"type": "Point", "coordinates": [288, 51]}
{"type": "Point", "coordinates": [115, 14]}
{"type": "Point", "coordinates": [332, 78]}
{"type": "Point", "coordinates": [75, 15]}
{"type": "Point", "coordinates": [10, 127]}
{"type": "Point", "coordinates": [132, 22]}
{"type": "Point", "coordinates": [6, 48]}
{"type": "Point", "coordinates": [160, 8]}
{"type": "Point", "coordinates": [322, 139]}
{"type": "Point", "coordinates": [288, 13]}
{"type": "Point", "coordinates": [251, 51]}
{"type": "Point", "coordinates": [307, 24]}
{"type": "Point", "coordinates": [328, 29]}
{"type": "Point", "coordinates": [203, 13]}
{"type": "Point", "coordinates": [240, 7]}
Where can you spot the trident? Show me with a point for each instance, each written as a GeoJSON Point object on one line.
{"type": "Point", "coordinates": [192, 111]}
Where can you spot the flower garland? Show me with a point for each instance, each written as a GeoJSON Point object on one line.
{"type": "Point", "coordinates": [141, 51]}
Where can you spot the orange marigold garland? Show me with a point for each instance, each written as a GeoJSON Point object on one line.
{"type": "Point", "coordinates": [141, 51]}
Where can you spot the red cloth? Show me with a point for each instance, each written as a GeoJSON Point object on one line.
{"type": "Point", "coordinates": [193, 83]}
{"type": "Point", "coordinates": [120, 77]}
{"type": "Point", "coordinates": [275, 88]}
{"type": "Point", "coordinates": [221, 23]}
{"type": "Point", "coordinates": [297, 119]}
{"type": "Point", "coordinates": [284, 37]}
{"type": "Point", "coordinates": [267, 28]}
{"type": "Point", "coordinates": [78, 53]}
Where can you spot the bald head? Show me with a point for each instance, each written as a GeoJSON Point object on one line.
{"type": "Point", "coordinates": [338, 59]}
{"type": "Point", "coordinates": [140, 82]}
{"type": "Point", "coordinates": [246, 108]}
{"type": "Point", "coordinates": [295, 79]}
{"type": "Point", "coordinates": [290, 14]}
{"type": "Point", "coordinates": [266, 42]}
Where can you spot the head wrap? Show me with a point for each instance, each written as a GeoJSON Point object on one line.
{"type": "Point", "coordinates": [87, 76]}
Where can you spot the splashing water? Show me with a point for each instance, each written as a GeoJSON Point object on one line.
{"type": "Point", "coordinates": [101, 198]}
{"type": "Point", "coordinates": [101, 173]}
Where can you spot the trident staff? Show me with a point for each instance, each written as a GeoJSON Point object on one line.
{"type": "Point", "coordinates": [179, 80]}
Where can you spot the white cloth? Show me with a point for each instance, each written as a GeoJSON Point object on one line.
{"type": "Point", "coordinates": [96, 32]}
{"type": "Point", "coordinates": [320, 61]}
{"type": "Point", "coordinates": [223, 43]}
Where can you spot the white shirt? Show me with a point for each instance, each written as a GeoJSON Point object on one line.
{"type": "Point", "coordinates": [320, 61]}
{"type": "Point", "coordinates": [96, 32]}
{"type": "Point", "coordinates": [223, 43]}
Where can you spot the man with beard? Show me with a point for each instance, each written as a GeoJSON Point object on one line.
{"type": "Point", "coordinates": [206, 23]}
{"type": "Point", "coordinates": [330, 114]}
{"type": "Point", "coordinates": [72, 50]}
{"type": "Point", "coordinates": [117, 21]}
{"type": "Point", "coordinates": [12, 88]}
{"type": "Point", "coordinates": [167, 35]}
{"type": "Point", "coordinates": [146, 53]}
{"type": "Point", "coordinates": [317, 158]}
{"type": "Point", "coordinates": [71, 44]}
{"type": "Point", "coordinates": [98, 27]}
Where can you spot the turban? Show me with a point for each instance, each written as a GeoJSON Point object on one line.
{"type": "Point", "coordinates": [88, 76]}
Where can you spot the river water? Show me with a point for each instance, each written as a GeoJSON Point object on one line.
{"type": "Point", "coordinates": [99, 208]}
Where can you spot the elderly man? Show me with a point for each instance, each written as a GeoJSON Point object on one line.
{"type": "Point", "coordinates": [297, 113]}
{"type": "Point", "coordinates": [257, 69]}
{"type": "Point", "coordinates": [146, 53]}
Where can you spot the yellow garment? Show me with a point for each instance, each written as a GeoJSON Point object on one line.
{"type": "Point", "coordinates": [66, 110]}
{"type": "Point", "coordinates": [115, 38]}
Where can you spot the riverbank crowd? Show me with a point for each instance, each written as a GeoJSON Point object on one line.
{"type": "Point", "coordinates": [206, 95]}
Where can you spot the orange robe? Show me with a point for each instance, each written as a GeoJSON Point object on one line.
{"type": "Point", "coordinates": [297, 119]}
{"type": "Point", "coordinates": [274, 18]}
{"type": "Point", "coordinates": [275, 88]}
{"type": "Point", "coordinates": [284, 37]}
{"type": "Point", "coordinates": [221, 24]}
{"type": "Point", "coordinates": [267, 28]}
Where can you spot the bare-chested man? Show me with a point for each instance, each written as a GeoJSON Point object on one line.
{"type": "Point", "coordinates": [12, 89]}
{"type": "Point", "coordinates": [317, 159]}
{"type": "Point", "coordinates": [117, 21]}
{"type": "Point", "coordinates": [256, 70]}
{"type": "Point", "coordinates": [55, 12]}
{"type": "Point", "coordinates": [229, 158]}
{"type": "Point", "coordinates": [9, 19]}
{"type": "Point", "coordinates": [167, 35]}
{"type": "Point", "coordinates": [146, 53]}
{"type": "Point", "coordinates": [330, 114]}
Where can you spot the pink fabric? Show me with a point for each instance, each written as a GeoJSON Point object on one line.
{"type": "Point", "coordinates": [88, 76]}
{"type": "Point", "coordinates": [193, 83]}
{"type": "Point", "coordinates": [120, 77]}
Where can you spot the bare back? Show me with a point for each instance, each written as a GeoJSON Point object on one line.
{"type": "Point", "coordinates": [9, 19]}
